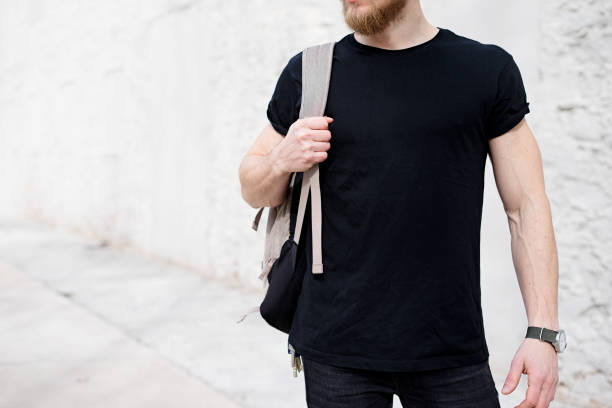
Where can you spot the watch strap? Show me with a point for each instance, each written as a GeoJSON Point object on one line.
{"type": "Point", "coordinates": [541, 333]}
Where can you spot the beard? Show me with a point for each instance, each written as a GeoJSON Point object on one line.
{"type": "Point", "coordinates": [375, 18]}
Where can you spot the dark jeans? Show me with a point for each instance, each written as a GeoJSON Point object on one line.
{"type": "Point", "coordinates": [329, 386]}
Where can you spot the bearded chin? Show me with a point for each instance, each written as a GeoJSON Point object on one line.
{"type": "Point", "coordinates": [374, 20]}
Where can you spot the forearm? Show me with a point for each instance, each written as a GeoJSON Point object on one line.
{"type": "Point", "coordinates": [263, 184]}
{"type": "Point", "coordinates": [534, 254]}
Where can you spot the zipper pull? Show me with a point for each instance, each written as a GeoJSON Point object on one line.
{"type": "Point", "coordinates": [296, 363]}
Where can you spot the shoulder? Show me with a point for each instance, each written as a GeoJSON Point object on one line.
{"type": "Point", "coordinates": [293, 68]}
{"type": "Point", "coordinates": [294, 64]}
{"type": "Point", "coordinates": [492, 56]}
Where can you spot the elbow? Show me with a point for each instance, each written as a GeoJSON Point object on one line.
{"type": "Point", "coordinates": [537, 205]}
{"type": "Point", "coordinates": [245, 196]}
{"type": "Point", "coordinates": [244, 190]}
{"type": "Point", "coordinates": [514, 215]}
{"type": "Point", "coordinates": [276, 203]}
{"type": "Point", "coordinates": [258, 202]}
{"type": "Point", "coordinates": [513, 205]}
{"type": "Point", "coordinates": [257, 196]}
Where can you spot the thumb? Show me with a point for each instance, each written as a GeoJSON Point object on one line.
{"type": "Point", "coordinates": [512, 380]}
{"type": "Point", "coordinates": [329, 119]}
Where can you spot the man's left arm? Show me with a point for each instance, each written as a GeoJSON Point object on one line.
{"type": "Point", "coordinates": [517, 166]}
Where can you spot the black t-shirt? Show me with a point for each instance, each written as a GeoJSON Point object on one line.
{"type": "Point", "coordinates": [402, 190]}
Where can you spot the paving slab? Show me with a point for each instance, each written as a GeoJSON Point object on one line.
{"type": "Point", "coordinates": [55, 353]}
{"type": "Point", "coordinates": [81, 320]}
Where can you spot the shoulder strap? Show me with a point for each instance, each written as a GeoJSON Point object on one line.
{"type": "Point", "coordinates": [316, 72]}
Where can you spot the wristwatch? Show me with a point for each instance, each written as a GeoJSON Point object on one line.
{"type": "Point", "coordinates": [556, 338]}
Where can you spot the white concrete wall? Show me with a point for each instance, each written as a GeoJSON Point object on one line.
{"type": "Point", "coordinates": [127, 120]}
{"type": "Point", "coordinates": [574, 121]}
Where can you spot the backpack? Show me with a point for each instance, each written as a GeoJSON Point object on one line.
{"type": "Point", "coordinates": [282, 280]}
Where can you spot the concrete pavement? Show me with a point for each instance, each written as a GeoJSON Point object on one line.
{"type": "Point", "coordinates": [83, 325]}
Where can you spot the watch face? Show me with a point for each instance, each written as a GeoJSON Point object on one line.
{"type": "Point", "coordinates": [560, 340]}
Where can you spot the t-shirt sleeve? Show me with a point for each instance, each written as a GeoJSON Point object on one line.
{"type": "Point", "coordinates": [510, 103]}
{"type": "Point", "coordinates": [284, 105]}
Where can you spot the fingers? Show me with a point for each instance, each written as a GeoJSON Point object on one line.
{"type": "Point", "coordinates": [320, 146]}
{"type": "Point", "coordinates": [551, 396]}
{"type": "Point", "coordinates": [534, 389]}
{"type": "Point", "coordinates": [318, 135]}
{"type": "Point", "coordinates": [512, 380]}
{"type": "Point", "coordinates": [540, 365]}
{"type": "Point", "coordinates": [544, 399]}
{"type": "Point", "coordinates": [549, 381]}
{"type": "Point", "coordinates": [310, 140]}
{"type": "Point", "coordinates": [304, 133]}
{"type": "Point", "coordinates": [553, 390]}
{"type": "Point", "coordinates": [314, 122]}
{"type": "Point", "coordinates": [316, 140]}
{"type": "Point", "coordinates": [319, 156]}
{"type": "Point", "coordinates": [311, 158]}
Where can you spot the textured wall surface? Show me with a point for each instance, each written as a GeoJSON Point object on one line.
{"type": "Point", "coordinates": [126, 121]}
{"type": "Point", "coordinates": [575, 105]}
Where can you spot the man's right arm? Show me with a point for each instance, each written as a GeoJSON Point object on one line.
{"type": "Point", "coordinates": [262, 182]}
{"type": "Point", "coordinates": [266, 167]}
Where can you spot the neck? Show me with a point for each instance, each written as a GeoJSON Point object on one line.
{"type": "Point", "coordinates": [409, 29]}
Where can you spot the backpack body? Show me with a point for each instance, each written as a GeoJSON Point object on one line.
{"type": "Point", "coordinates": [280, 273]}
{"type": "Point", "coordinates": [282, 280]}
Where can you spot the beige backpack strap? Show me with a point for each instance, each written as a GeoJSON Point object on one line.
{"type": "Point", "coordinates": [255, 223]}
{"type": "Point", "coordinates": [316, 72]}
{"type": "Point", "coordinates": [317, 250]}
{"type": "Point", "coordinates": [301, 207]}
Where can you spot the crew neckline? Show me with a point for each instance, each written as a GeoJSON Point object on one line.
{"type": "Point", "coordinates": [402, 51]}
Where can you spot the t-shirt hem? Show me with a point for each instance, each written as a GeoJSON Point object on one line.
{"type": "Point", "coordinates": [359, 362]}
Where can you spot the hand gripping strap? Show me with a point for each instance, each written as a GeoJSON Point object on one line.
{"type": "Point", "coordinates": [316, 72]}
